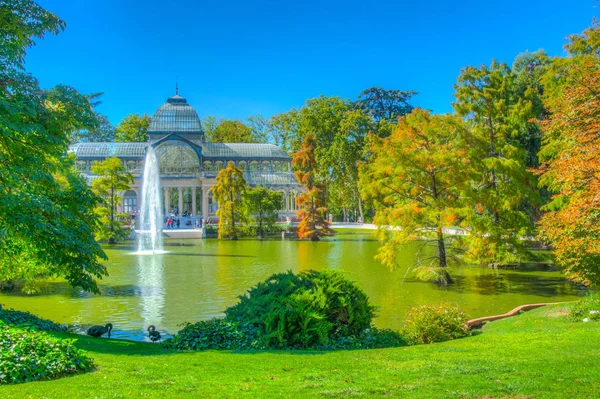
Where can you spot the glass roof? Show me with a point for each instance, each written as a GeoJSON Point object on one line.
{"type": "Point", "coordinates": [242, 150]}
{"type": "Point", "coordinates": [270, 178]}
{"type": "Point", "coordinates": [175, 116]}
{"type": "Point", "coordinates": [102, 150]}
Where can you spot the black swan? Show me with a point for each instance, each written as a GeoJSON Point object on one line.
{"type": "Point", "coordinates": [98, 331]}
{"type": "Point", "coordinates": [153, 334]}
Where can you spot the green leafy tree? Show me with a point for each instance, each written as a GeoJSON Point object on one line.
{"type": "Point", "coordinates": [385, 104]}
{"type": "Point", "coordinates": [339, 130]}
{"type": "Point", "coordinates": [209, 124]}
{"type": "Point", "coordinates": [503, 185]}
{"type": "Point", "coordinates": [260, 128]}
{"type": "Point", "coordinates": [284, 129]}
{"type": "Point", "coordinates": [112, 179]}
{"type": "Point", "coordinates": [261, 206]}
{"type": "Point", "coordinates": [102, 132]}
{"type": "Point", "coordinates": [417, 177]}
{"type": "Point", "coordinates": [228, 131]}
{"type": "Point", "coordinates": [46, 209]}
{"type": "Point", "coordinates": [132, 129]}
{"type": "Point", "coordinates": [312, 223]}
{"type": "Point", "coordinates": [229, 192]}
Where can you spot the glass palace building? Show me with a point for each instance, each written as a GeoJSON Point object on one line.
{"type": "Point", "coordinates": [189, 165]}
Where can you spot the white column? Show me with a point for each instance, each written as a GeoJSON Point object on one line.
{"type": "Point", "coordinates": [167, 200]}
{"type": "Point", "coordinates": [180, 205]}
{"type": "Point", "coordinates": [205, 202]}
{"type": "Point", "coordinates": [194, 201]}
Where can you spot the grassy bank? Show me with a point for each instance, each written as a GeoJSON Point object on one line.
{"type": "Point", "coordinates": [537, 354]}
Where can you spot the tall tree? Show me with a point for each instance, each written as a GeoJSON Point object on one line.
{"type": "Point", "coordinates": [260, 128]}
{"type": "Point", "coordinates": [503, 186]}
{"type": "Point", "coordinates": [229, 192]}
{"type": "Point", "coordinates": [284, 129]}
{"type": "Point", "coordinates": [385, 104]}
{"type": "Point", "coordinates": [112, 179]}
{"type": "Point", "coordinates": [528, 69]}
{"type": "Point", "coordinates": [209, 124]}
{"type": "Point", "coordinates": [571, 158]}
{"type": "Point", "coordinates": [102, 131]}
{"type": "Point", "coordinates": [261, 206]}
{"type": "Point", "coordinates": [417, 178]}
{"type": "Point", "coordinates": [312, 223]}
{"type": "Point", "coordinates": [232, 131]}
{"type": "Point", "coordinates": [46, 209]}
{"type": "Point", "coordinates": [133, 128]}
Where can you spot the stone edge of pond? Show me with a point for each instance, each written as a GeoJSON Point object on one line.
{"type": "Point", "coordinates": [478, 322]}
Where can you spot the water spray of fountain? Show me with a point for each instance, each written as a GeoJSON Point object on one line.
{"type": "Point", "coordinates": [151, 218]}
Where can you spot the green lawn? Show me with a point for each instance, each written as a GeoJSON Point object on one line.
{"type": "Point", "coordinates": [535, 355]}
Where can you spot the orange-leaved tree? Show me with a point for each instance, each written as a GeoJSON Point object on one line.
{"type": "Point", "coordinates": [571, 155]}
{"type": "Point", "coordinates": [417, 178]}
{"type": "Point", "coordinates": [312, 224]}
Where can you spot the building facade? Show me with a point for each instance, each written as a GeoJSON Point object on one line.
{"type": "Point", "coordinates": [189, 165]}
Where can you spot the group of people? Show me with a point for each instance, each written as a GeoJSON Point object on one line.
{"type": "Point", "coordinates": [173, 223]}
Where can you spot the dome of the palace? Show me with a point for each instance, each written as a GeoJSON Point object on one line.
{"type": "Point", "coordinates": [175, 116]}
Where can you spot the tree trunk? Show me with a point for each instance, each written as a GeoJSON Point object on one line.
{"type": "Point", "coordinates": [441, 247]}
{"type": "Point", "coordinates": [360, 210]}
{"type": "Point", "coordinates": [345, 214]}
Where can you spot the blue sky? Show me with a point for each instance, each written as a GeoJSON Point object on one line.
{"type": "Point", "coordinates": [239, 58]}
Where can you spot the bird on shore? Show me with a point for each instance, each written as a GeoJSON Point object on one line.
{"type": "Point", "coordinates": [153, 334]}
{"type": "Point", "coordinates": [98, 331]}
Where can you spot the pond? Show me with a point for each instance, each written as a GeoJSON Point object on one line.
{"type": "Point", "coordinates": [198, 279]}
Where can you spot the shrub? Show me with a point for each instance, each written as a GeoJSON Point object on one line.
{"type": "Point", "coordinates": [586, 309]}
{"type": "Point", "coordinates": [27, 355]}
{"type": "Point", "coordinates": [306, 310]}
{"type": "Point", "coordinates": [435, 323]}
{"type": "Point", "coordinates": [215, 334]}
{"type": "Point", "coordinates": [371, 338]}
{"type": "Point", "coordinates": [27, 320]}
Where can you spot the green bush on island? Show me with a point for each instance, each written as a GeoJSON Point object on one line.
{"type": "Point", "coordinates": [27, 320]}
{"type": "Point", "coordinates": [304, 310]}
{"type": "Point", "coordinates": [28, 355]}
{"type": "Point", "coordinates": [586, 309]}
{"type": "Point", "coordinates": [215, 334]}
{"type": "Point", "coordinates": [309, 310]}
{"type": "Point", "coordinates": [435, 323]}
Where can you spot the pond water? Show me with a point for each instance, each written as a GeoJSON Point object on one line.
{"type": "Point", "coordinates": [198, 279]}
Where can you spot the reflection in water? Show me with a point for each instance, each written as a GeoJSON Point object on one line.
{"type": "Point", "coordinates": [151, 282]}
{"type": "Point", "coordinates": [200, 279]}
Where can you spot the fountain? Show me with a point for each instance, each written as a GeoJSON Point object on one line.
{"type": "Point", "coordinates": [151, 219]}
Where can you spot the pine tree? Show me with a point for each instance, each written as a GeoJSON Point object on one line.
{"type": "Point", "coordinates": [503, 186]}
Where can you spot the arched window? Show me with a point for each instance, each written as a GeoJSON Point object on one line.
{"type": "Point", "coordinates": [218, 165]}
{"type": "Point", "coordinates": [177, 158]}
{"type": "Point", "coordinates": [81, 165]}
{"type": "Point", "coordinates": [131, 165]}
{"type": "Point", "coordinates": [254, 165]}
{"type": "Point", "coordinates": [285, 166]}
{"type": "Point", "coordinates": [266, 166]}
{"type": "Point", "coordinates": [242, 165]}
{"type": "Point", "coordinates": [283, 201]}
{"type": "Point", "coordinates": [277, 166]}
{"type": "Point", "coordinates": [129, 201]}
{"type": "Point", "coordinates": [207, 165]}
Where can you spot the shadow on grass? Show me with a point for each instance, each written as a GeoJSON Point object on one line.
{"type": "Point", "coordinates": [132, 348]}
